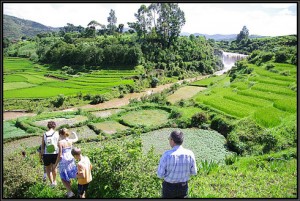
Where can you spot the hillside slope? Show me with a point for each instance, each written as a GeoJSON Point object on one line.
{"type": "Point", "coordinates": [14, 28]}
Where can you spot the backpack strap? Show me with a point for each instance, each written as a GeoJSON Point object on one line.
{"type": "Point", "coordinates": [49, 135]}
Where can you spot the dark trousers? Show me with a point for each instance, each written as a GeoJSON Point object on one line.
{"type": "Point", "coordinates": [174, 190]}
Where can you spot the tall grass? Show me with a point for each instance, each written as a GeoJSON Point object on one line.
{"type": "Point", "coordinates": [269, 116]}
{"type": "Point", "coordinates": [288, 104]}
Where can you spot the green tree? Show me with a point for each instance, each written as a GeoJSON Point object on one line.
{"type": "Point", "coordinates": [143, 23]}
{"type": "Point", "coordinates": [243, 35]}
{"type": "Point", "coordinates": [169, 23]}
{"type": "Point", "coordinates": [120, 28]}
{"type": "Point", "coordinates": [91, 30]}
{"type": "Point", "coordinates": [112, 21]}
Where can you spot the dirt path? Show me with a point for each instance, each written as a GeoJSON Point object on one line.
{"type": "Point", "coordinates": [113, 103]}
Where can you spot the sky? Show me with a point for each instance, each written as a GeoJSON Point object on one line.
{"type": "Point", "coordinates": [265, 19]}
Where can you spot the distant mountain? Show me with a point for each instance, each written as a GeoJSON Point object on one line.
{"type": "Point", "coordinates": [219, 37]}
{"type": "Point", "coordinates": [14, 28]}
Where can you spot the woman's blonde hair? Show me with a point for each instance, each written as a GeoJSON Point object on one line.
{"type": "Point", "coordinates": [64, 131]}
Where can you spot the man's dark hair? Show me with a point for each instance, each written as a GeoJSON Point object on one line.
{"type": "Point", "coordinates": [51, 124]}
{"type": "Point", "coordinates": [177, 137]}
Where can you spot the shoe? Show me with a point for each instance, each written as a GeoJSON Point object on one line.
{"type": "Point", "coordinates": [53, 184]}
{"type": "Point", "coordinates": [44, 177]}
{"type": "Point", "coordinates": [70, 194]}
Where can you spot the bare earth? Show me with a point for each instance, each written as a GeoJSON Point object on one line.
{"type": "Point", "coordinates": [114, 103]}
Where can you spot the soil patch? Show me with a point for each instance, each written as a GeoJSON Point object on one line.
{"type": "Point", "coordinates": [16, 114]}
{"type": "Point", "coordinates": [184, 93]}
{"type": "Point", "coordinates": [106, 113]}
{"type": "Point", "coordinates": [62, 121]}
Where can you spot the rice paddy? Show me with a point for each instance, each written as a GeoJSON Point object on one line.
{"type": "Point", "coordinates": [26, 80]}
{"type": "Point", "coordinates": [264, 96]}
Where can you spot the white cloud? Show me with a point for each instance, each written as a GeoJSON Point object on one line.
{"type": "Point", "coordinates": [208, 18]}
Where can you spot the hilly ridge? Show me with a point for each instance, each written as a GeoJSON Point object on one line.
{"type": "Point", "coordinates": [14, 28]}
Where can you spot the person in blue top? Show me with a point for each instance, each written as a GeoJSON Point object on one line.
{"type": "Point", "coordinates": [175, 167]}
{"type": "Point", "coordinates": [65, 159]}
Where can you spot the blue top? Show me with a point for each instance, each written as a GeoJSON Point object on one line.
{"type": "Point", "coordinates": [67, 165]}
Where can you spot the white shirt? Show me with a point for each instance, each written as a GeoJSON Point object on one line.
{"type": "Point", "coordinates": [176, 165]}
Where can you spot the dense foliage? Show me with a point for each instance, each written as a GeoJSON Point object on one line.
{"type": "Point", "coordinates": [246, 147]}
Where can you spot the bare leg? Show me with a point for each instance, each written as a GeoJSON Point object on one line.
{"type": "Point", "coordinates": [67, 184]}
{"type": "Point", "coordinates": [49, 173]}
{"type": "Point", "coordinates": [54, 172]}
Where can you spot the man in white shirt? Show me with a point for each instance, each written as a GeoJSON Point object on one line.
{"type": "Point", "coordinates": [175, 167]}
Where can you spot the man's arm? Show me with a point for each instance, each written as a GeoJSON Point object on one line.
{"type": "Point", "coordinates": [194, 165]}
{"type": "Point", "coordinates": [161, 170]}
{"type": "Point", "coordinates": [43, 146]}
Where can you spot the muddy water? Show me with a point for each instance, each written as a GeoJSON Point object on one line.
{"type": "Point", "coordinates": [113, 103]}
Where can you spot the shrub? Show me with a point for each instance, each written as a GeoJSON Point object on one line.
{"type": "Point", "coordinates": [18, 175]}
{"type": "Point", "coordinates": [221, 125]}
{"type": "Point", "coordinates": [59, 101]}
{"type": "Point", "coordinates": [123, 171]}
{"type": "Point", "coordinates": [175, 114]}
{"type": "Point", "coordinates": [154, 82]}
{"type": "Point", "coordinates": [280, 57]}
{"type": "Point", "coordinates": [285, 73]}
{"type": "Point", "coordinates": [98, 99]}
{"type": "Point", "coordinates": [267, 56]}
{"type": "Point", "coordinates": [198, 119]}
{"type": "Point", "coordinates": [87, 97]}
{"type": "Point", "coordinates": [269, 66]}
{"type": "Point", "coordinates": [249, 138]}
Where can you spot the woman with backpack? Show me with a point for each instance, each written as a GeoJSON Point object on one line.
{"type": "Point", "coordinates": [67, 165]}
{"type": "Point", "coordinates": [49, 151]}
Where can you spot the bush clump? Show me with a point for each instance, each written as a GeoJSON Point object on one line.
{"type": "Point", "coordinates": [221, 125]}
{"type": "Point", "coordinates": [199, 119]}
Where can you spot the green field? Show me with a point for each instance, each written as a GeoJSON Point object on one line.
{"type": "Point", "coordinates": [10, 131]}
{"type": "Point", "coordinates": [206, 145]}
{"type": "Point", "coordinates": [145, 118]}
{"type": "Point", "coordinates": [25, 80]}
{"type": "Point", "coordinates": [184, 93]}
{"type": "Point", "coordinates": [110, 127]}
{"type": "Point", "coordinates": [263, 96]}
{"type": "Point", "coordinates": [120, 141]}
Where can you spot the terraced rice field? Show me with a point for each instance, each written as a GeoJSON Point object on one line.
{"type": "Point", "coordinates": [26, 80]}
{"type": "Point", "coordinates": [208, 81]}
{"type": "Point", "coordinates": [264, 96]}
